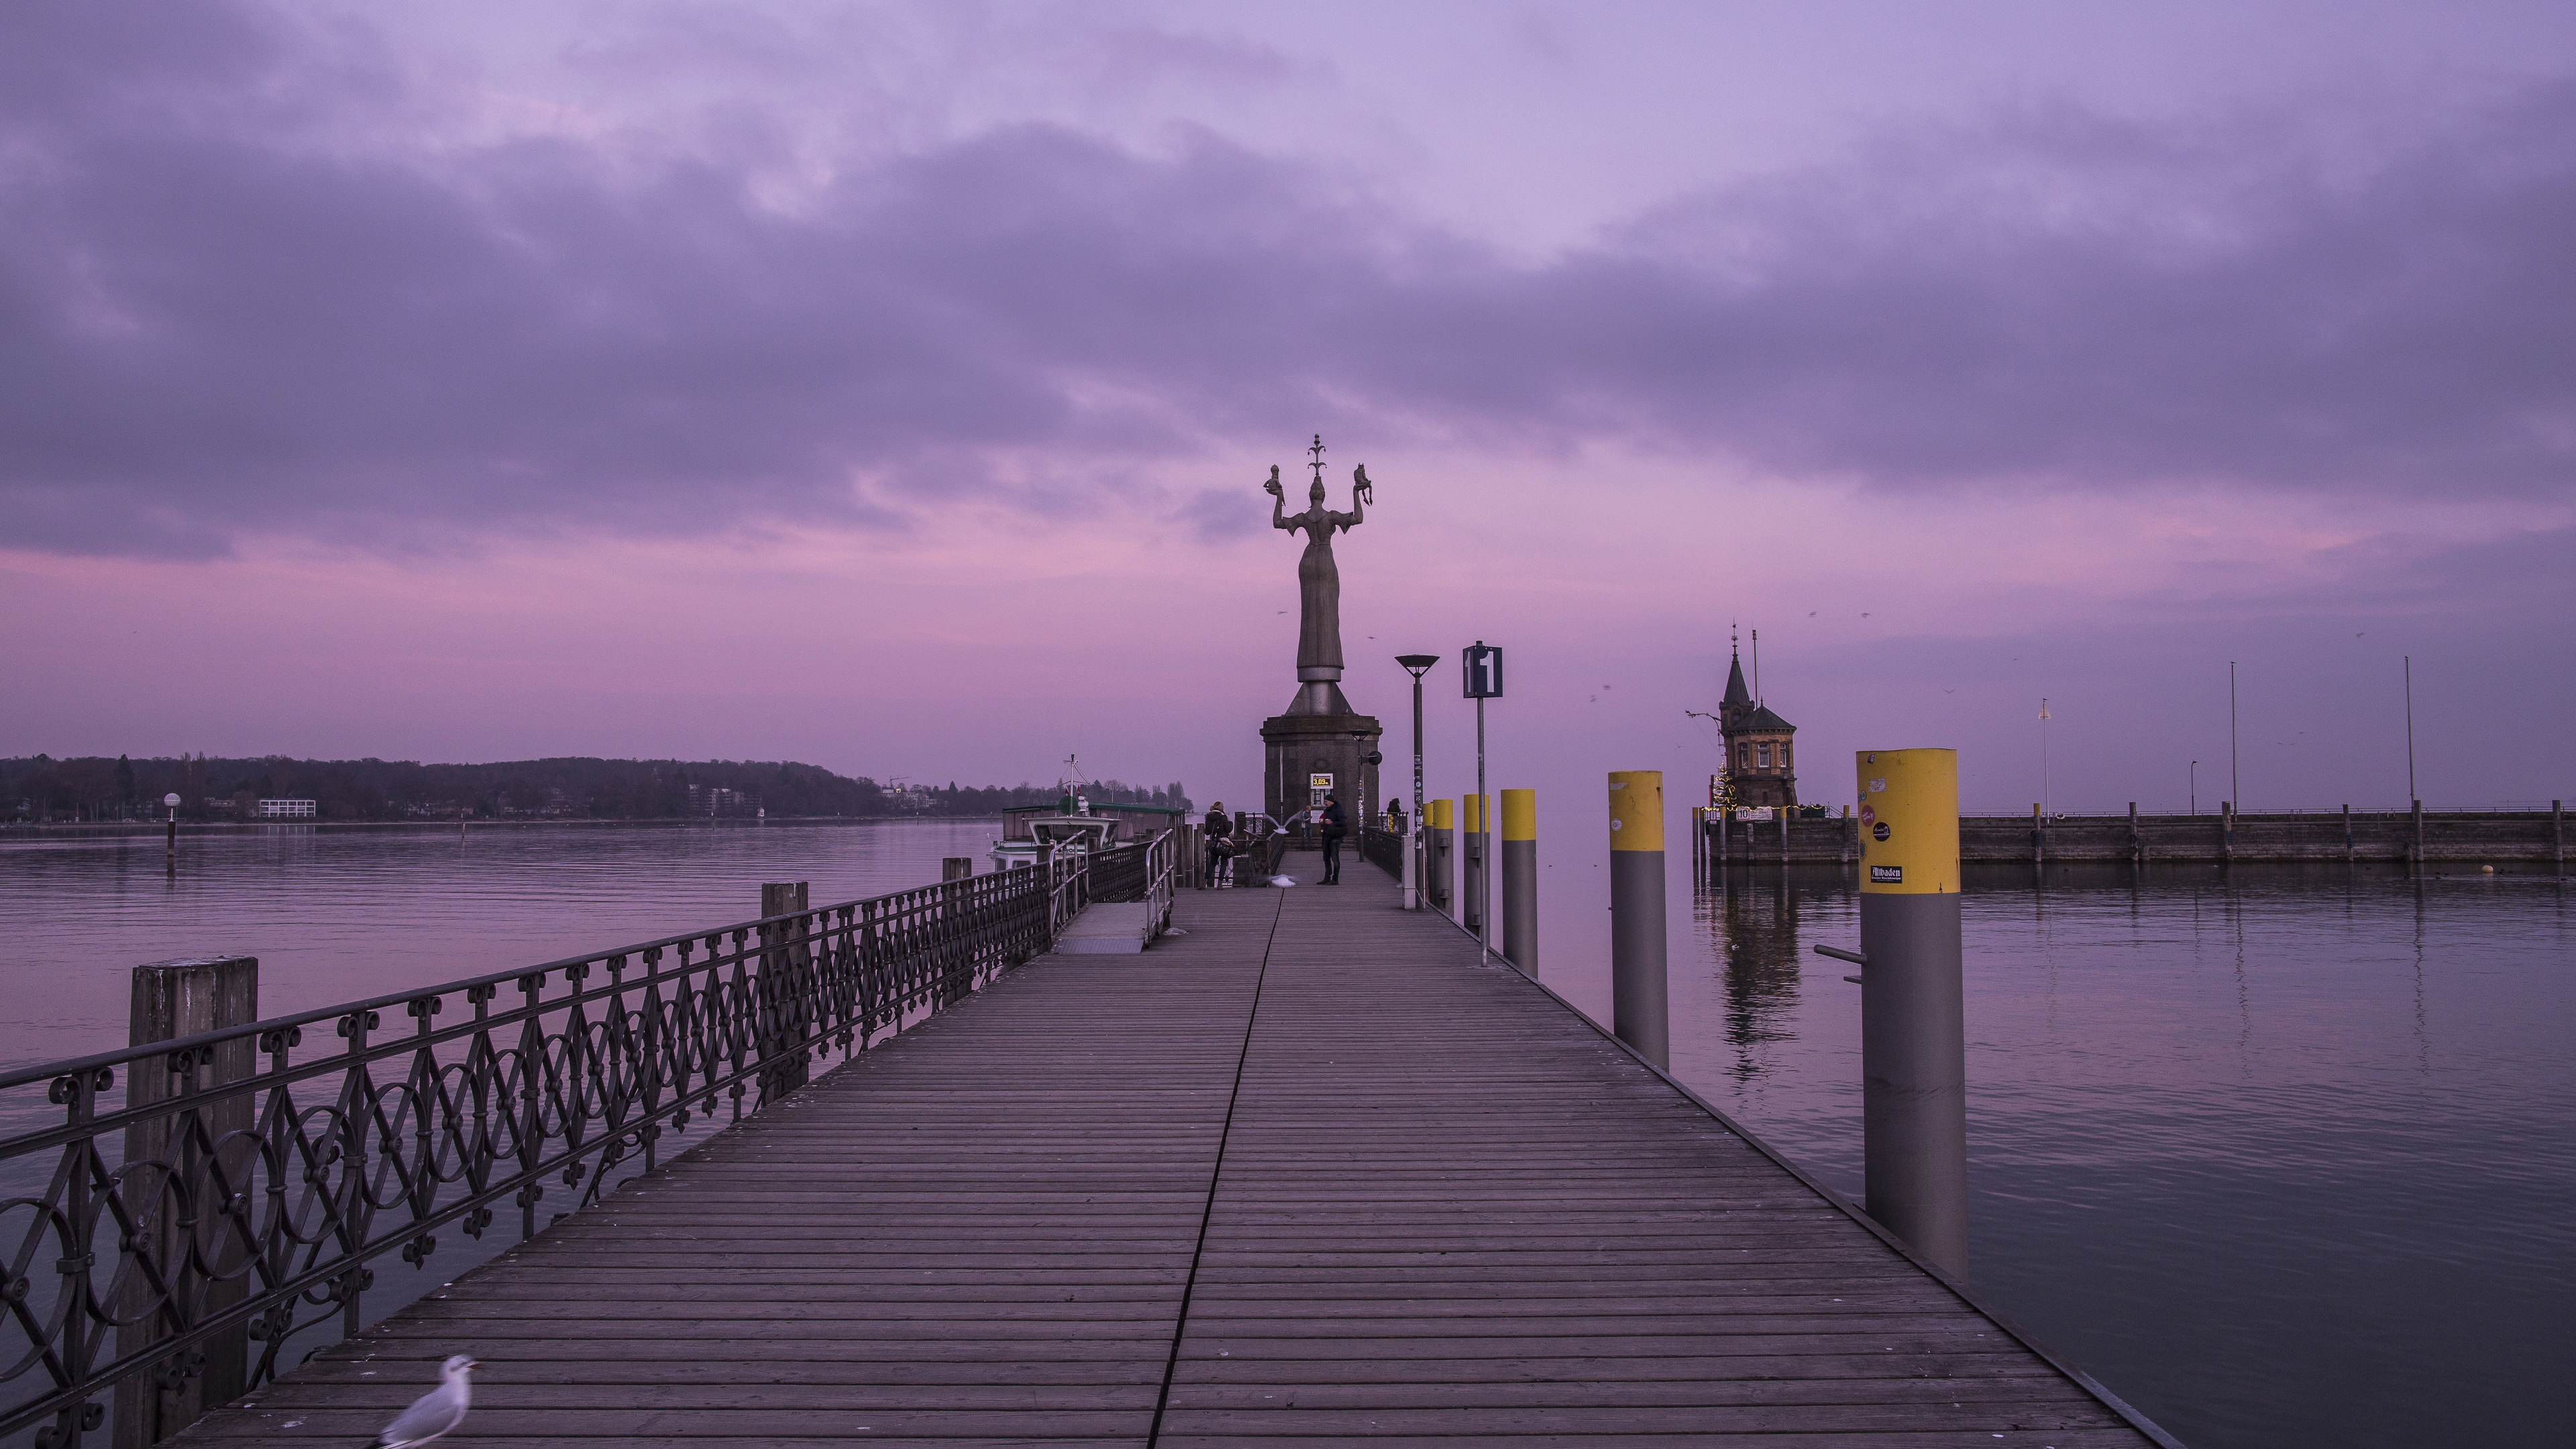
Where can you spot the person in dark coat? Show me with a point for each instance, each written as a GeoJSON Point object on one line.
{"type": "Point", "coordinates": [1219, 831]}
{"type": "Point", "coordinates": [1335, 826]}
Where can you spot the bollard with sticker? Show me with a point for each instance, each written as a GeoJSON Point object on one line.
{"type": "Point", "coordinates": [1913, 1037]}
{"type": "Point", "coordinates": [1638, 1006]}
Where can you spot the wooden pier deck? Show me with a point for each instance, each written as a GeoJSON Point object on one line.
{"type": "Point", "coordinates": [1309, 1172]}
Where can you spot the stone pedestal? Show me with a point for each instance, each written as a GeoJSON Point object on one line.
{"type": "Point", "coordinates": [1297, 747]}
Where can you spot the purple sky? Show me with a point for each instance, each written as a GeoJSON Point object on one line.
{"type": "Point", "coordinates": [890, 387]}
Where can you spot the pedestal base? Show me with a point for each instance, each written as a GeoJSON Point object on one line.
{"type": "Point", "coordinates": [1296, 748]}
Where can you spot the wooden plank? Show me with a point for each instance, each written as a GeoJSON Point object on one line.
{"type": "Point", "coordinates": [1404, 1197]}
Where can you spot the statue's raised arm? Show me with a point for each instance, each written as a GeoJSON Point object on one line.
{"type": "Point", "coordinates": [1278, 501]}
{"type": "Point", "coordinates": [1362, 492]}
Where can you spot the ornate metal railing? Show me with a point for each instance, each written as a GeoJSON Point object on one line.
{"type": "Point", "coordinates": [228, 1200]}
{"type": "Point", "coordinates": [1383, 849]}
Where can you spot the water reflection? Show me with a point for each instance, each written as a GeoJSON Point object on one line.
{"type": "Point", "coordinates": [1754, 932]}
{"type": "Point", "coordinates": [2279, 1152]}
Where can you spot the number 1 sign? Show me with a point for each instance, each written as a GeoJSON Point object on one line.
{"type": "Point", "coordinates": [1484, 671]}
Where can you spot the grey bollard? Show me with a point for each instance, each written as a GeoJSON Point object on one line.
{"type": "Point", "coordinates": [1474, 885]}
{"type": "Point", "coordinates": [1914, 1074]}
{"type": "Point", "coordinates": [1443, 854]}
{"type": "Point", "coordinates": [1639, 1012]}
{"type": "Point", "coordinates": [1519, 851]}
{"type": "Point", "coordinates": [175, 999]}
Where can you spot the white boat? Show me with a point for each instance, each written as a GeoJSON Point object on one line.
{"type": "Point", "coordinates": [1072, 826]}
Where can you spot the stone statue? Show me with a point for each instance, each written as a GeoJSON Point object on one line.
{"type": "Point", "coordinates": [1319, 584]}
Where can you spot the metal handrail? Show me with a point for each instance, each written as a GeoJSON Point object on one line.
{"type": "Point", "coordinates": [282, 1171]}
{"type": "Point", "coordinates": [1162, 866]}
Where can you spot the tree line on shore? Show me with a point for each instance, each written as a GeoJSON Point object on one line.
{"type": "Point", "coordinates": [95, 787]}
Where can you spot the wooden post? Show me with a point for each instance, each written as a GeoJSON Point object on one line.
{"type": "Point", "coordinates": [951, 867]}
{"type": "Point", "coordinates": [2227, 831]}
{"type": "Point", "coordinates": [784, 1023]}
{"type": "Point", "coordinates": [1784, 836]}
{"type": "Point", "coordinates": [2347, 835]}
{"type": "Point", "coordinates": [175, 999]}
{"type": "Point", "coordinates": [2137, 843]}
{"type": "Point", "coordinates": [2558, 836]}
{"type": "Point", "coordinates": [2038, 837]}
{"type": "Point", "coordinates": [2417, 807]}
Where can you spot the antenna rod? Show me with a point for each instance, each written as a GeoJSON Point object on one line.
{"type": "Point", "coordinates": [1757, 667]}
{"type": "Point", "coordinates": [2410, 729]}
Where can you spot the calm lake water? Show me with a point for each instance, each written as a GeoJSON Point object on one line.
{"type": "Point", "coordinates": [2283, 1158]}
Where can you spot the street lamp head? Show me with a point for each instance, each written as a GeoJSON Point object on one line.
{"type": "Point", "coordinates": [170, 800]}
{"type": "Point", "coordinates": [1414, 664]}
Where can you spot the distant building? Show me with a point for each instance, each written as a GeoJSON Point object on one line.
{"type": "Point", "coordinates": [716, 800]}
{"type": "Point", "coordinates": [1760, 760]}
{"type": "Point", "coordinates": [289, 809]}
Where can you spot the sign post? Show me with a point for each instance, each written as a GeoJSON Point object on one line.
{"type": "Point", "coordinates": [1484, 669]}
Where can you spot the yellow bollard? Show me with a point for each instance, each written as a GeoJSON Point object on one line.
{"type": "Point", "coordinates": [1475, 890]}
{"type": "Point", "coordinates": [1638, 1008]}
{"type": "Point", "coordinates": [1914, 1074]}
{"type": "Point", "coordinates": [1520, 880]}
{"type": "Point", "coordinates": [1441, 853]}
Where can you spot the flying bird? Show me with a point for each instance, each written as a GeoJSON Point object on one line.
{"type": "Point", "coordinates": [435, 1414]}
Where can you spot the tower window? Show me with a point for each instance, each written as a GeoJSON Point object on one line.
{"type": "Point", "coordinates": [1762, 753]}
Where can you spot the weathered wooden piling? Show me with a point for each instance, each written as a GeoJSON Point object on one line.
{"type": "Point", "coordinates": [200, 1252]}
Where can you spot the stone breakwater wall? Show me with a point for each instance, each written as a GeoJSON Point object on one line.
{"type": "Point", "coordinates": [2526, 838]}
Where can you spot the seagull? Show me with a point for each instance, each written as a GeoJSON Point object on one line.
{"type": "Point", "coordinates": [437, 1413]}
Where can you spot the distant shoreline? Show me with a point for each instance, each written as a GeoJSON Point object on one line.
{"type": "Point", "coordinates": [244, 827]}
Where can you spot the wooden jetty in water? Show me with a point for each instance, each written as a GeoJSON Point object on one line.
{"type": "Point", "coordinates": [1311, 1169]}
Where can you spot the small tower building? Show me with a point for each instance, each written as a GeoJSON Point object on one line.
{"type": "Point", "coordinates": [1761, 760]}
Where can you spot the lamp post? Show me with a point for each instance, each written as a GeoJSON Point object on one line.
{"type": "Point", "coordinates": [170, 845]}
{"type": "Point", "coordinates": [2195, 787]}
{"type": "Point", "coordinates": [1416, 665]}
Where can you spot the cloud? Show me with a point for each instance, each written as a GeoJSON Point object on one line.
{"type": "Point", "coordinates": [230, 306]}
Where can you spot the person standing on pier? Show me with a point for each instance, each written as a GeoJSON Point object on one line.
{"type": "Point", "coordinates": [1335, 826]}
{"type": "Point", "coordinates": [1219, 834]}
